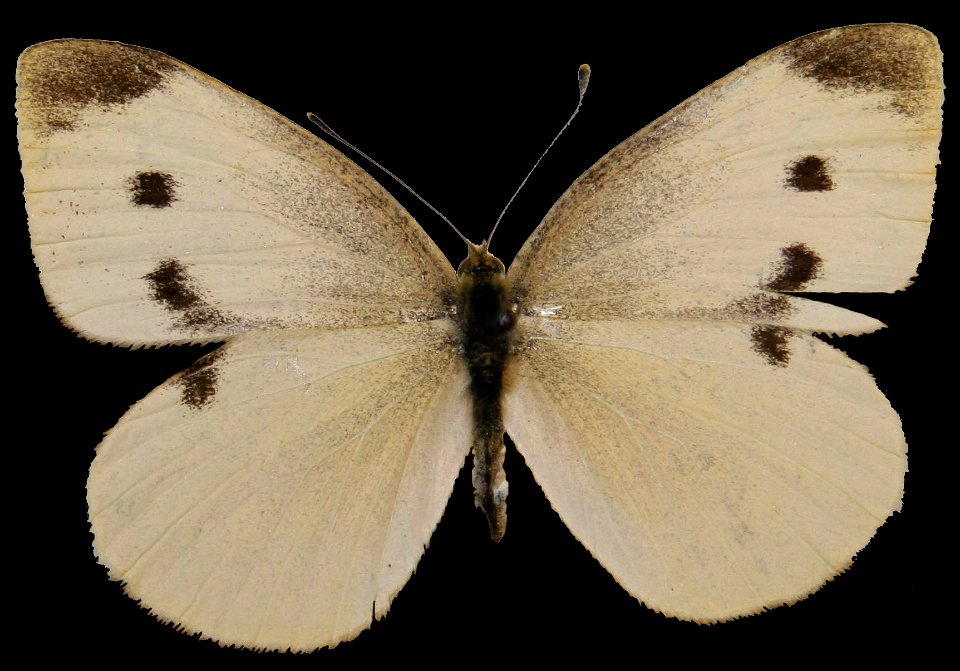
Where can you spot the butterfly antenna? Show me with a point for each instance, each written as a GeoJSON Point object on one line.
{"type": "Point", "coordinates": [322, 125]}
{"type": "Point", "coordinates": [583, 76]}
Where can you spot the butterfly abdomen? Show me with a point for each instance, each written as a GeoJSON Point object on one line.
{"type": "Point", "coordinates": [486, 317]}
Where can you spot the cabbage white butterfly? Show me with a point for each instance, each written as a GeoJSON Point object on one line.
{"type": "Point", "coordinates": [512, 500]}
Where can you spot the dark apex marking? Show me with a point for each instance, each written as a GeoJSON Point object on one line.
{"type": "Point", "coordinates": [154, 189]}
{"type": "Point", "coordinates": [894, 58]}
{"type": "Point", "coordinates": [62, 78]}
{"type": "Point", "coordinates": [809, 173]}
{"type": "Point", "coordinates": [198, 383]}
{"type": "Point", "coordinates": [771, 343]}
{"type": "Point", "coordinates": [798, 265]}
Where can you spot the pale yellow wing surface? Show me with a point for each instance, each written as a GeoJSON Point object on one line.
{"type": "Point", "coordinates": [279, 493]}
{"type": "Point", "coordinates": [809, 169]}
{"type": "Point", "coordinates": [709, 482]}
{"type": "Point", "coordinates": [166, 207]}
{"type": "Point", "coordinates": [667, 393]}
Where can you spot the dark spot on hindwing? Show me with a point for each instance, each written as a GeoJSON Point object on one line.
{"type": "Point", "coordinates": [771, 343]}
{"type": "Point", "coordinates": [198, 383]}
{"type": "Point", "coordinates": [798, 265]}
{"type": "Point", "coordinates": [179, 293]}
{"type": "Point", "coordinates": [60, 79]}
{"type": "Point", "coordinates": [809, 173]}
{"type": "Point", "coordinates": [153, 189]}
{"type": "Point", "coordinates": [897, 59]}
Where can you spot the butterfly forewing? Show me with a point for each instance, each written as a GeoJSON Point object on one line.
{"type": "Point", "coordinates": [733, 194]}
{"type": "Point", "coordinates": [167, 207]}
{"type": "Point", "coordinates": [713, 455]}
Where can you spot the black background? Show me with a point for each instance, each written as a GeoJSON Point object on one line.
{"type": "Point", "coordinates": [460, 112]}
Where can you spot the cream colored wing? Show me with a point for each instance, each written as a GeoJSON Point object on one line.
{"type": "Point", "coordinates": [279, 493]}
{"type": "Point", "coordinates": [714, 456]}
{"type": "Point", "coordinates": [166, 207]}
{"type": "Point", "coordinates": [709, 482]}
{"type": "Point", "coordinates": [809, 169]}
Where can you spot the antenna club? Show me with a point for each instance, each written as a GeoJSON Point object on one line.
{"type": "Point", "coordinates": [583, 76]}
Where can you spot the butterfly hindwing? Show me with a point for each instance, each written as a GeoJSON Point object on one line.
{"type": "Point", "coordinates": [166, 207]}
{"type": "Point", "coordinates": [709, 482]}
{"type": "Point", "coordinates": [279, 493]}
{"type": "Point", "coordinates": [668, 393]}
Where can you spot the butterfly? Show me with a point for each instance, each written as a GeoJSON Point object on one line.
{"type": "Point", "coordinates": [170, 284]}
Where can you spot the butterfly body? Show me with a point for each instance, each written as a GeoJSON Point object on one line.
{"type": "Point", "coordinates": [644, 351]}
{"type": "Point", "coordinates": [486, 315]}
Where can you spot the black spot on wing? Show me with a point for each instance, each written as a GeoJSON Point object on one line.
{"type": "Point", "coordinates": [901, 60]}
{"type": "Point", "coordinates": [178, 292]}
{"type": "Point", "coordinates": [153, 189]}
{"type": "Point", "coordinates": [771, 342]}
{"type": "Point", "coordinates": [59, 80]}
{"type": "Point", "coordinates": [172, 286]}
{"type": "Point", "coordinates": [798, 265]}
{"type": "Point", "coordinates": [198, 383]}
{"type": "Point", "coordinates": [810, 173]}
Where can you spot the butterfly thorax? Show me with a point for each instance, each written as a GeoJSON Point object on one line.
{"type": "Point", "coordinates": [486, 315]}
